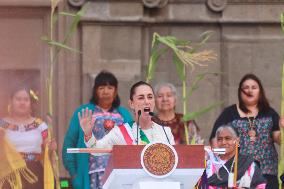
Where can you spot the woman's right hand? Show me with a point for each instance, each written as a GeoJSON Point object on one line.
{"type": "Point", "coordinates": [86, 121]}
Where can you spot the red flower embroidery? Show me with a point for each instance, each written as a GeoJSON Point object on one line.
{"type": "Point", "coordinates": [108, 124]}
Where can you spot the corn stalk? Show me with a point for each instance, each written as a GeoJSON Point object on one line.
{"type": "Point", "coordinates": [281, 163]}
{"type": "Point", "coordinates": [54, 49]}
{"type": "Point", "coordinates": [185, 56]}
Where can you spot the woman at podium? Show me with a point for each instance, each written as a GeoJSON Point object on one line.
{"type": "Point", "coordinates": [221, 170]}
{"type": "Point", "coordinates": [142, 131]}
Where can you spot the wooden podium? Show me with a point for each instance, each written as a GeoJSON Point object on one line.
{"type": "Point", "coordinates": [124, 169]}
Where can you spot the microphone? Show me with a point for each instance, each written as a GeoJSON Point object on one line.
{"type": "Point", "coordinates": [137, 130]}
{"type": "Point", "coordinates": [152, 114]}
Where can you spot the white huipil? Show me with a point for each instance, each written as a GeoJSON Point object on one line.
{"type": "Point", "coordinates": [27, 141]}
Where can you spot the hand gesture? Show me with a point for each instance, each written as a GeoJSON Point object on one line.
{"type": "Point", "coordinates": [86, 121]}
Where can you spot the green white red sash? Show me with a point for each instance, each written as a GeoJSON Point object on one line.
{"type": "Point", "coordinates": [127, 134]}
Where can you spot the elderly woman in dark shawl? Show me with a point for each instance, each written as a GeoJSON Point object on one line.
{"type": "Point", "coordinates": [220, 169]}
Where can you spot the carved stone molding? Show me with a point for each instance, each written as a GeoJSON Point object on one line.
{"type": "Point", "coordinates": [255, 1]}
{"type": "Point", "coordinates": [155, 3]}
{"type": "Point", "coordinates": [216, 5]}
{"type": "Point", "coordinates": [76, 3]}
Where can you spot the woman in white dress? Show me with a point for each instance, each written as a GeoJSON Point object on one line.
{"type": "Point", "coordinates": [142, 103]}
{"type": "Point", "coordinates": [28, 137]}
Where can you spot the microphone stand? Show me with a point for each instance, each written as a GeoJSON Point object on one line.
{"type": "Point", "coordinates": [166, 134]}
{"type": "Point", "coordinates": [152, 114]}
{"type": "Point", "coordinates": [137, 130]}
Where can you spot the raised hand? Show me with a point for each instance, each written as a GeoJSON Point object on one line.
{"type": "Point", "coordinates": [86, 121]}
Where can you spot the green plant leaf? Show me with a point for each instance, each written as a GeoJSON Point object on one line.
{"type": "Point", "coordinates": [62, 46]}
{"type": "Point", "coordinates": [54, 19]}
{"type": "Point", "coordinates": [155, 41]}
{"type": "Point", "coordinates": [179, 67]}
{"type": "Point", "coordinates": [67, 14]}
{"type": "Point", "coordinates": [196, 81]}
{"type": "Point", "coordinates": [168, 42]}
{"type": "Point", "coordinates": [204, 38]}
{"type": "Point", "coordinates": [282, 21]}
{"type": "Point", "coordinates": [194, 115]}
{"type": "Point", "coordinates": [155, 55]}
{"type": "Point", "coordinates": [74, 24]}
{"type": "Point", "coordinates": [178, 42]}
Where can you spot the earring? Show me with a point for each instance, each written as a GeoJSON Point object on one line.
{"type": "Point", "coordinates": [238, 143]}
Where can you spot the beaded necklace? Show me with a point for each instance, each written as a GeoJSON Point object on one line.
{"type": "Point", "coordinates": [252, 129]}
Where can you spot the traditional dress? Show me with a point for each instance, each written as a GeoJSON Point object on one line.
{"type": "Point", "coordinates": [104, 122]}
{"type": "Point", "coordinates": [249, 174]}
{"type": "Point", "coordinates": [126, 134]}
{"type": "Point", "coordinates": [27, 140]}
{"type": "Point", "coordinates": [262, 149]}
{"type": "Point", "coordinates": [79, 165]}
{"type": "Point", "coordinates": [177, 127]}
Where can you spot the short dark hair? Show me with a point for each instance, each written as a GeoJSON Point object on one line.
{"type": "Point", "coordinates": [135, 85]}
{"type": "Point", "coordinates": [263, 104]}
{"type": "Point", "coordinates": [102, 79]}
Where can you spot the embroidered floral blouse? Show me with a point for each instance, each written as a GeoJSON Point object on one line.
{"type": "Point", "coordinates": [104, 122]}
{"type": "Point", "coordinates": [26, 138]}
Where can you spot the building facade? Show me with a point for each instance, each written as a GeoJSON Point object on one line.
{"type": "Point", "coordinates": [116, 35]}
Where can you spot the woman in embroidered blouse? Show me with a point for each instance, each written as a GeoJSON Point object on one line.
{"type": "Point", "coordinates": [26, 133]}
{"type": "Point", "coordinates": [220, 167]}
{"type": "Point", "coordinates": [166, 97]}
{"type": "Point", "coordinates": [257, 124]}
{"type": "Point", "coordinates": [87, 170]}
{"type": "Point", "coordinates": [142, 101]}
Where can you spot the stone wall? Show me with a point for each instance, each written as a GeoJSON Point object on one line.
{"type": "Point", "coordinates": [116, 35]}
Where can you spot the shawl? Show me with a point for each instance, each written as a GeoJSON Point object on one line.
{"type": "Point", "coordinates": [13, 166]}
{"type": "Point", "coordinates": [221, 180]}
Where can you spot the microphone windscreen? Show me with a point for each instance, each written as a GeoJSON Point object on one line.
{"type": "Point", "coordinates": [151, 113]}
{"type": "Point", "coordinates": [139, 112]}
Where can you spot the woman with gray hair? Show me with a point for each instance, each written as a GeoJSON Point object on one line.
{"type": "Point", "coordinates": [220, 169]}
{"type": "Point", "coordinates": [166, 98]}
